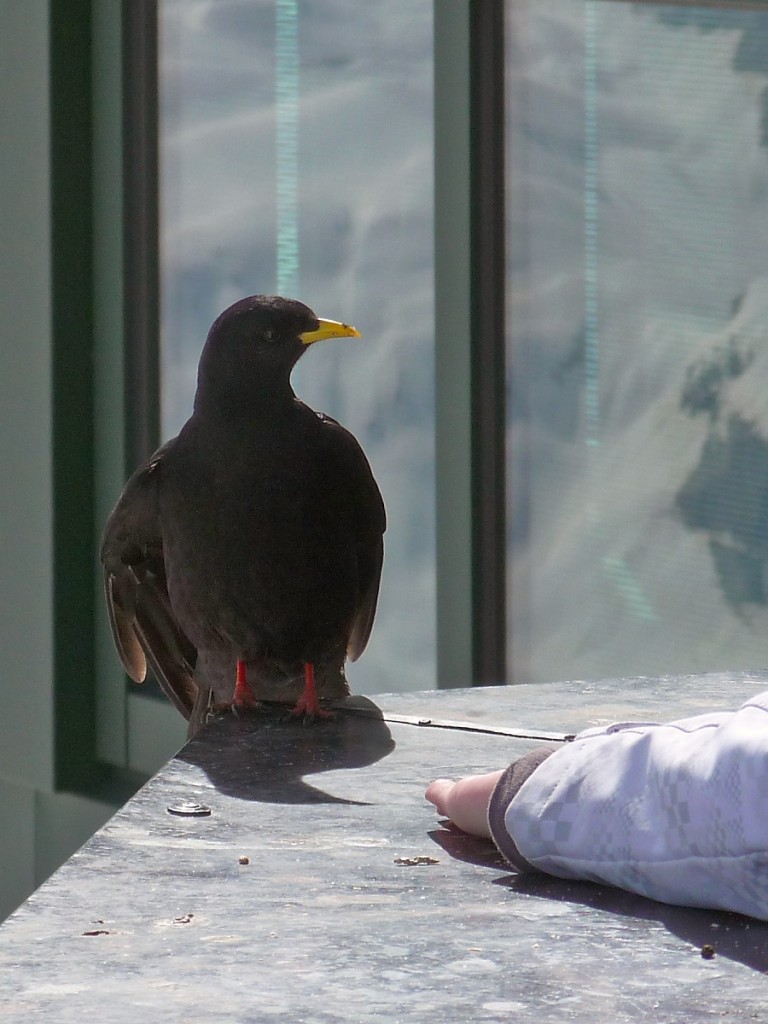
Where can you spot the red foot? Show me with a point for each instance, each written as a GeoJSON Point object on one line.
{"type": "Point", "coordinates": [244, 697]}
{"type": "Point", "coordinates": [308, 704]}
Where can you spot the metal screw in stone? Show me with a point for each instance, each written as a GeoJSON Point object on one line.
{"type": "Point", "coordinates": [189, 809]}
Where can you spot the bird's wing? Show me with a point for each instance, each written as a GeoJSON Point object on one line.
{"type": "Point", "coordinates": [359, 502]}
{"type": "Point", "coordinates": [370, 560]}
{"type": "Point", "coordinates": [144, 626]}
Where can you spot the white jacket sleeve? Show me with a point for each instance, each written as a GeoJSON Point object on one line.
{"type": "Point", "coordinates": [676, 812]}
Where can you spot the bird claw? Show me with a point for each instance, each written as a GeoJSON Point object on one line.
{"type": "Point", "coordinates": [239, 709]}
{"type": "Point", "coordinates": [309, 714]}
{"type": "Point", "coordinates": [245, 702]}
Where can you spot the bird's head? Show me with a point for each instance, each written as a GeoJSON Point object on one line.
{"type": "Point", "coordinates": [259, 340]}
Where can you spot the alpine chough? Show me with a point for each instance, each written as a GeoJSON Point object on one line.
{"type": "Point", "coordinates": [242, 562]}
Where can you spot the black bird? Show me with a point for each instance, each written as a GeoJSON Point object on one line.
{"type": "Point", "coordinates": [242, 562]}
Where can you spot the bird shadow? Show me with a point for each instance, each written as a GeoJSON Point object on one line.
{"type": "Point", "coordinates": [733, 936]}
{"type": "Point", "coordinates": [265, 755]}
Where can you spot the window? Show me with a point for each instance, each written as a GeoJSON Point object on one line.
{"type": "Point", "coordinates": [341, 152]}
{"type": "Point", "coordinates": [297, 158]}
{"type": "Point", "coordinates": [638, 212]}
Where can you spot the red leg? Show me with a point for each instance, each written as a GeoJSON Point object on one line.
{"type": "Point", "coordinates": [244, 696]}
{"type": "Point", "coordinates": [309, 703]}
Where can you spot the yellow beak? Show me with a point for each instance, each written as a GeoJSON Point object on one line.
{"type": "Point", "coordinates": [329, 329]}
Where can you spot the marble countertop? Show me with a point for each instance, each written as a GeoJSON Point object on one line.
{"type": "Point", "coordinates": [318, 885]}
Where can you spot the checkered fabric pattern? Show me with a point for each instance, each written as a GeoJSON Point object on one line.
{"type": "Point", "coordinates": [677, 812]}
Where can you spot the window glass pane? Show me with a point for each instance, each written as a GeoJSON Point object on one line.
{"type": "Point", "coordinates": [639, 360]}
{"type": "Point", "coordinates": [296, 157]}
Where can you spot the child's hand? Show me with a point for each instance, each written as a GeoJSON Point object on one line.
{"type": "Point", "coordinates": [465, 802]}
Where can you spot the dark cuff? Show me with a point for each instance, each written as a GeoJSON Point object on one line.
{"type": "Point", "coordinates": [504, 793]}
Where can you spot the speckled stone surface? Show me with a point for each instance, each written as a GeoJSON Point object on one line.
{"type": "Point", "coordinates": [156, 919]}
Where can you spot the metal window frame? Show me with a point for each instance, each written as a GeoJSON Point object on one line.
{"type": "Point", "coordinates": [488, 340]}
{"type": "Point", "coordinates": [71, 165]}
{"type": "Point", "coordinates": [141, 220]}
{"type": "Point", "coordinates": [470, 315]}
{"type": "Point", "coordinates": [104, 289]}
